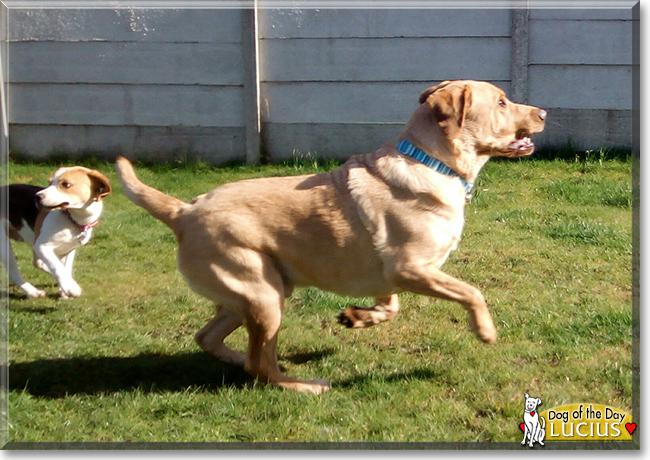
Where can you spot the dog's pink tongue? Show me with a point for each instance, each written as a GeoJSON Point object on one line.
{"type": "Point", "coordinates": [521, 144]}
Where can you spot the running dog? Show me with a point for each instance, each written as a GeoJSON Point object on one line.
{"type": "Point", "coordinates": [382, 223]}
{"type": "Point", "coordinates": [54, 221]}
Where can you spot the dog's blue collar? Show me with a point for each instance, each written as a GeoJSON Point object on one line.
{"type": "Point", "coordinates": [411, 150]}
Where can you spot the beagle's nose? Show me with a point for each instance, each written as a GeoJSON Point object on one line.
{"type": "Point", "coordinates": [541, 113]}
{"type": "Point", "coordinates": [38, 198]}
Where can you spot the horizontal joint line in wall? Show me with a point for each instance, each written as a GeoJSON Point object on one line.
{"type": "Point", "coordinates": [346, 123]}
{"type": "Point", "coordinates": [581, 20]}
{"type": "Point", "coordinates": [134, 126]}
{"type": "Point", "coordinates": [119, 42]}
{"type": "Point", "coordinates": [555, 64]}
{"type": "Point", "coordinates": [80, 83]}
{"type": "Point", "coordinates": [426, 81]}
{"type": "Point", "coordinates": [416, 37]}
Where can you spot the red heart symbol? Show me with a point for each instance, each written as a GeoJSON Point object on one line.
{"type": "Point", "coordinates": [630, 427]}
{"type": "Point", "coordinates": [532, 413]}
{"type": "Point", "coordinates": [522, 426]}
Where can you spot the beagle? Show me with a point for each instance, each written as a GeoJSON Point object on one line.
{"type": "Point", "coordinates": [54, 221]}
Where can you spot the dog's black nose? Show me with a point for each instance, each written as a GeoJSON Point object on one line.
{"type": "Point", "coordinates": [542, 114]}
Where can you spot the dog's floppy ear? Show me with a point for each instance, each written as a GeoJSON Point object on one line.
{"type": "Point", "coordinates": [539, 402]}
{"type": "Point", "coordinates": [526, 395]}
{"type": "Point", "coordinates": [448, 106]}
{"type": "Point", "coordinates": [429, 91]}
{"type": "Point", "coordinates": [101, 185]}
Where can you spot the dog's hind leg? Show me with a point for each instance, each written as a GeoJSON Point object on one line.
{"type": "Point", "coordinates": [385, 309]}
{"type": "Point", "coordinates": [251, 291]}
{"type": "Point", "coordinates": [262, 320]}
{"type": "Point", "coordinates": [211, 337]}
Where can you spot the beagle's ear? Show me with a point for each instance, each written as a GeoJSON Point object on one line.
{"type": "Point", "coordinates": [448, 106]}
{"type": "Point", "coordinates": [101, 185]}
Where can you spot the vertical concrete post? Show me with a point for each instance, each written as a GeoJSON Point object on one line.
{"type": "Point", "coordinates": [250, 43]}
{"type": "Point", "coordinates": [519, 65]}
{"type": "Point", "coordinates": [4, 68]}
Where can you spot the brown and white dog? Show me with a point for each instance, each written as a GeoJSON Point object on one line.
{"type": "Point", "coordinates": [382, 223]}
{"type": "Point", "coordinates": [54, 221]}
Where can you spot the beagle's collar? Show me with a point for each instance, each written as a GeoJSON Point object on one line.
{"type": "Point", "coordinates": [82, 228]}
{"type": "Point", "coordinates": [409, 149]}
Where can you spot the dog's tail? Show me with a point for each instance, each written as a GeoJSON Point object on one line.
{"type": "Point", "coordinates": [163, 207]}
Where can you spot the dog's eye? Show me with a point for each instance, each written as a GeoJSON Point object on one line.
{"type": "Point", "coordinates": [66, 184]}
{"type": "Point", "coordinates": [502, 103]}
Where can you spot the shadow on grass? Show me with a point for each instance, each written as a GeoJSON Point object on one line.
{"type": "Point", "coordinates": [37, 310]}
{"type": "Point", "coordinates": [416, 374]}
{"type": "Point", "coordinates": [302, 358]}
{"type": "Point", "coordinates": [57, 378]}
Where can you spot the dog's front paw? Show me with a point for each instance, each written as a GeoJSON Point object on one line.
{"type": "Point", "coordinates": [70, 290]}
{"type": "Point", "coordinates": [484, 329]}
{"type": "Point", "coordinates": [34, 293]}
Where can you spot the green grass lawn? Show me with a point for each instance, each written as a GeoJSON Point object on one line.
{"type": "Point", "coordinates": [548, 242]}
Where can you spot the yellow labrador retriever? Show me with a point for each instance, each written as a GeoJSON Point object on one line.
{"type": "Point", "coordinates": [382, 223]}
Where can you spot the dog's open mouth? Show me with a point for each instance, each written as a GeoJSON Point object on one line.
{"type": "Point", "coordinates": [63, 205]}
{"type": "Point", "coordinates": [522, 146]}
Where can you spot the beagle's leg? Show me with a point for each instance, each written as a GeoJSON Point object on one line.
{"type": "Point", "coordinates": [38, 263]}
{"type": "Point", "coordinates": [67, 261]}
{"type": "Point", "coordinates": [385, 309]}
{"type": "Point", "coordinates": [427, 280]}
{"type": "Point", "coordinates": [210, 338]}
{"type": "Point", "coordinates": [11, 264]}
{"type": "Point", "coordinates": [68, 288]}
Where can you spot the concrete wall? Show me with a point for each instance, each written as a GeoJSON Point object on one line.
{"type": "Point", "coordinates": [338, 82]}
{"type": "Point", "coordinates": [580, 68]}
{"type": "Point", "coordinates": [169, 83]}
{"type": "Point", "coordinates": [156, 83]}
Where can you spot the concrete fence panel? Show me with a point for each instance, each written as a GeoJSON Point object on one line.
{"type": "Point", "coordinates": [238, 84]}
{"type": "Point", "coordinates": [146, 83]}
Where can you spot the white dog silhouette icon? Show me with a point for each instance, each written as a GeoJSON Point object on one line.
{"type": "Point", "coordinates": [535, 425]}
